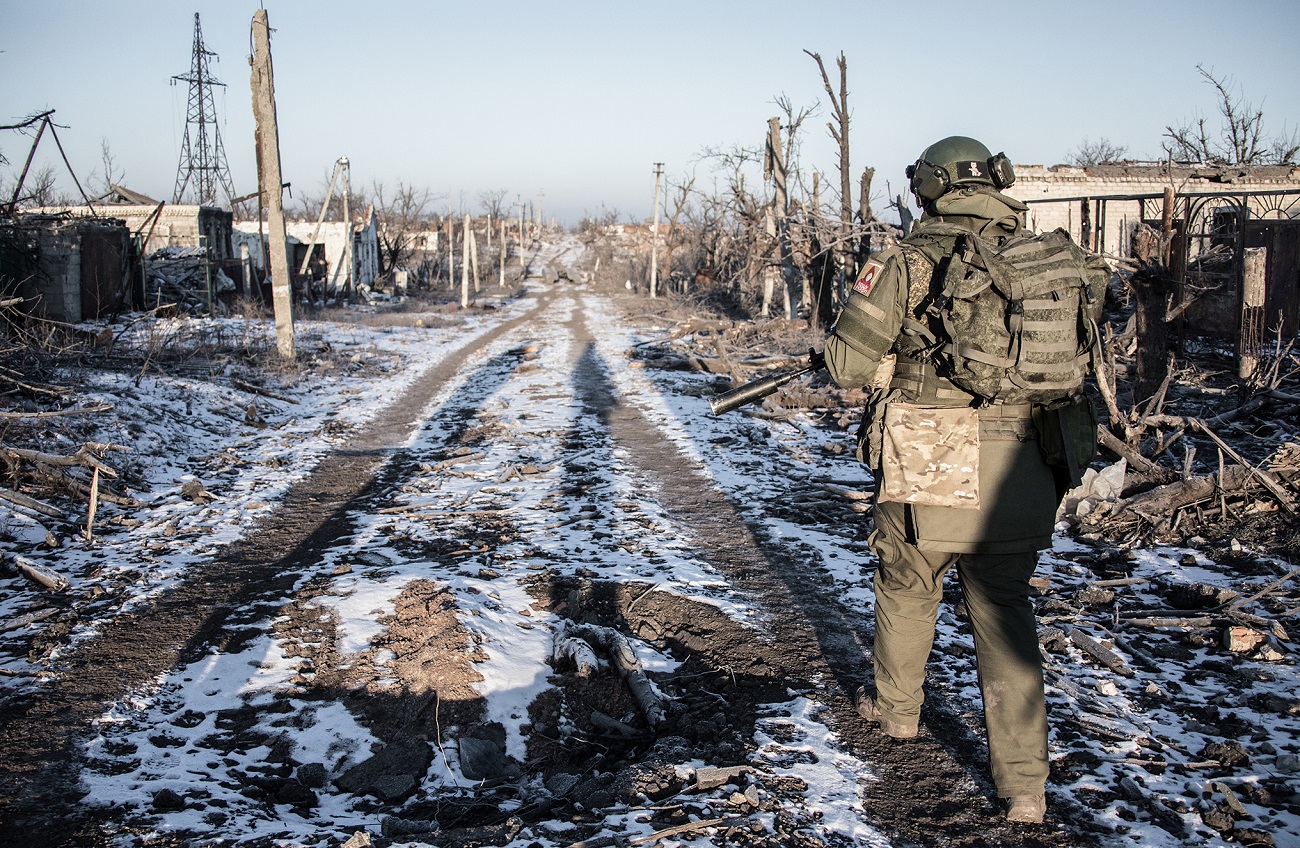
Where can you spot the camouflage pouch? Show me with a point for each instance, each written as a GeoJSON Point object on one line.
{"type": "Point", "coordinates": [930, 456]}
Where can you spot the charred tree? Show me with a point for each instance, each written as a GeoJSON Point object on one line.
{"type": "Point", "coordinates": [1151, 288]}
{"type": "Point", "coordinates": [839, 129]}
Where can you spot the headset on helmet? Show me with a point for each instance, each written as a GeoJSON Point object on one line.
{"type": "Point", "coordinates": [957, 160]}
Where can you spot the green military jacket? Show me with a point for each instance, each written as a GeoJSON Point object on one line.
{"type": "Point", "coordinates": [1018, 491]}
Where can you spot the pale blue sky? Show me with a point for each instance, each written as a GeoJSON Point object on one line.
{"type": "Point", "coordinates": [579, 99]}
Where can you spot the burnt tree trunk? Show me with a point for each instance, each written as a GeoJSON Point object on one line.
{"type": "Point", "coordinates": [1151, 284]}
{"type": "Point", "coordinates": [822, 272]}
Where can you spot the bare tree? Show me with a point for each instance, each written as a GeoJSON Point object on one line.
{"type": "Point", "coordinates": [109, 174]}
{"type": "Point", "coordinates": [1099, 152]}
{"type": "Point", "coordinates": [729, 219]}
{"type": "Point", "coordinates": [491, 201]}
{"type": "Point", "coordinates": [792, 120]}
{"type": "Point", "coordinates": [839, 130]}
{"type": "Point", "coordinates": [1239, 140]}
{"type": "Point", "coordinates": [401, 215]}
{"type": "Point", "coordinates": [679, 195]}
{"type": "Point", "coordinates": [41, 188]}
{"type": "Point", "coordinates": [309, 201]}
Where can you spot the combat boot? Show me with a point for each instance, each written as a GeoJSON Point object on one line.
{"type": "Point", "coordinates": [867, 708]}
{"type": "Point", "coordinates": [1027, 809]}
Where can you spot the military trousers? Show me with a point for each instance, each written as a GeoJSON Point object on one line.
{"type": "Point", "coordinates": [908, 587]}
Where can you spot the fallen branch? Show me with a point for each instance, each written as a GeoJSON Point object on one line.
{"type": "Point", "coordinates": [28, 619]}
{"type": "Point", "coordinates": [684, 828]}
{"type": "Point", "coordinates": [83, 457]}
{"type": "Point", "coordinates": [1100, 652]}
{"type": "Point", "coordinates": [1268, 481]}
{"type": "Point", "coordinates": [1155, 623]}
{"type": "Point", "coordinates": [574, 651]}
{"type": "Point", "coordinates": [629, 667]}
{"type": "Point", "coordinates": [19, 499]}
{"type": "Point", "coordinates": [612, 725]}
{"type": "Point", "coordinates": [1159, 503]}
{"type": "Point", "coordinates": [1132, 455]}
{"type": "Point", "coordinates": [85, 410]}
{"type": "Point", "coordinates": [49, 579]}
{"type": "Point", "coordinates": [258, 390]}
{"type": "Point", "coordinates": [456, 460]}
{"type": "Point", "coordinates": [1272, 587]}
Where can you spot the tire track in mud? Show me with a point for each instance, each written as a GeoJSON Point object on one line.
{"type": "Point", "coordinates": [41, 732]}
{"type": "Point", "coordinates": [931, 790]}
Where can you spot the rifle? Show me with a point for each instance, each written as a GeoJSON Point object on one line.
{"type": "Point", "coordinates": [756, 390]}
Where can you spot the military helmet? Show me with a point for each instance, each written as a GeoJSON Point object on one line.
{"type": "Point", "coordinates": [957, 160]}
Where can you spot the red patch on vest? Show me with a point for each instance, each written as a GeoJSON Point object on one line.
{"type": "Point", "coordinates": [868, 276]}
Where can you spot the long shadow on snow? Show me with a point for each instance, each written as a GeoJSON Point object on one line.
{"type": "Point", "coordinates": [217, 604]}
{"type": "Point", "coordinates": [929, 791]}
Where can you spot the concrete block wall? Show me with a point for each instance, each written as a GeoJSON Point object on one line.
{"type": "Point", "coordinates": [57, 285]}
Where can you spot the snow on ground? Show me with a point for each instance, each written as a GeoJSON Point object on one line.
{"type": "Point", "coordinates": [185, 430]}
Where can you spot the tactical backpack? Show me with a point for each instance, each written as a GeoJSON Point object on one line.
{"type": "Point", "coordinates": [1012, 324]}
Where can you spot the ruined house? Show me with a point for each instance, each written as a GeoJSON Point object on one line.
{"type": "Point", "coordinates": [331, 261]}
{"type": "Point", "coordinates": [1218, 212]}
{"type": "Point", "coordinates": [159, 224]}
{"type": "Point", "coordinates": [67, 268]}
{"type": "Point", "coordinates": [173, 253]}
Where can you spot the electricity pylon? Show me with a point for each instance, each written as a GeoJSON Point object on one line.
{"type": "Point", "coordinates": [202, 167]}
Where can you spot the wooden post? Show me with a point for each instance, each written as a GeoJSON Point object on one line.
{"type": "Point", "coordinates": [654, 236]}
{"type": "Point", "coordinates": [1250, 337]}
{"type": "Point", "coordinates": [270, 182]}
{"type": "Point", "coordinates": [501, 280]}
{"type": "Point", "coordinates": [471, 242]}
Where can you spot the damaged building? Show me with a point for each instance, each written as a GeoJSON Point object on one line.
{"type": "Point", "coordinates": [128, 251]}
{"type": "Point", "coordinates": [68, 269]}
{"type": "Point", "coordinates": [336, 264]}
{"type": "Point", "coordinates": [1217, 213]}
{"type": "Point", "coordinates": [165, 254]}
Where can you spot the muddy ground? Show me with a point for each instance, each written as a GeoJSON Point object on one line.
{"type": "Point", "coordinates": [931, 791]}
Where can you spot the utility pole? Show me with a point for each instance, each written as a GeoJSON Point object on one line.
{"type": "Point", "coordinates": [339, 166]}
{"type": "Point", "coordinates": [202, 164]}
{"type": "Point", "coordinates": [654, 236]}
{"type": "Point", "coordinates": [347, 235]}
{"type": "Point", "coordinates": [464, 265]}
{"type": "Point", "coordinates": [541, 222]}
{"type": "Point", "coordinates": [269, 181]}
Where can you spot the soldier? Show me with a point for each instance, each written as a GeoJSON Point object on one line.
{"type": "Point", "coordinates": [994, 508]}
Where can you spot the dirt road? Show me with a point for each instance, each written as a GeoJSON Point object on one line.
{"type": "Point", "coordinates": [520, 467]}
